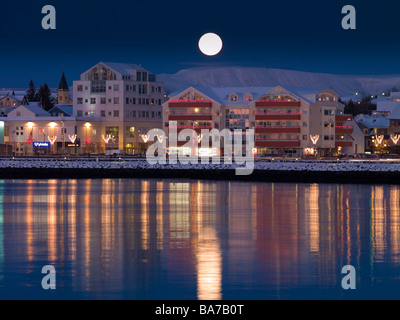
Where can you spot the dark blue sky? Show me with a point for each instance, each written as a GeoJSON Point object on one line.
{"type": "Point", "coordinates": [162, 36]}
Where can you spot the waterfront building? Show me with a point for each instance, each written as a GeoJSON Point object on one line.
{"type": "Point", "coordinates": [113, 106]}
{"type": "Point", "coordinates": [375, 128]}
{"type": "Point", "coordinates": [291, 122]}
{"type": "Point", "coordinates": [123, 101]}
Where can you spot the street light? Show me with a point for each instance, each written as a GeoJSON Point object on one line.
{"type": "Point", "coordinates": [194, 137]}
{"type": "Point", "coordinates": [30, 138]}
{"type": "Point", "coordinates": [87, 125]}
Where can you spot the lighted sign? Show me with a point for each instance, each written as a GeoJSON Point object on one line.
{"type": "Point", "coordinates": [41, 144]}
{"type": "Point", "coordinates": [207, 152]}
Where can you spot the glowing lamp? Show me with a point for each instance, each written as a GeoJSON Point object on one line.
{"type": "Point", "coordinates": [30, 125]}
{"type": "Point", "coordinates": [52, 125]}
{"type": "Point", "coordinates": [145, 138]}
{"type": "Point", "coordinates": [72, 138]}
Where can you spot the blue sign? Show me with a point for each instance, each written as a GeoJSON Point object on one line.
{"type": "Point", "coordinates": [41, 144]}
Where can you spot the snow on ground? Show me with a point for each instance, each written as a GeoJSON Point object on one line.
{"type": "Point", "coordinates": [277, 165]}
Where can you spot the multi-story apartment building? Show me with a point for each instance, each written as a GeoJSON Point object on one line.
{"type": "Point", "coordinates": [114, 105]}
{"type": "Point", "coordinates": [120, 102]}
{"type": "Point", "coordinates": [293, 122]}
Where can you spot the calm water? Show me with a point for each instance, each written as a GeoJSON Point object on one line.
{"type": "Point", "coordinates": [149, 239]}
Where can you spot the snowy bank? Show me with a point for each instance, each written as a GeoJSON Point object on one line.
{"type": "Point", "coordinates": [381, 172]}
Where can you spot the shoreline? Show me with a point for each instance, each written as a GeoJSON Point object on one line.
{"type": "Point", "coordinates": [286, 171]}
{"type": "Point", "coordinates": [277, 176]}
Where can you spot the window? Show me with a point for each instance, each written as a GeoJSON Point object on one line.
{"type": "Point", "coordinates": [138, 76]}
{"type": "Point", "coordinates": [79, 113]}
{"type": "Point", "coordinates": [127, 87]}
{"type": "Point", "coordinates": [103, 113]}
{"type": "Point", "coordinates": [116, 100]}
{"type": "Point", "coordinates": [143, 89]}
{"type": "Point", "coordinates": [92, 100]}
{"type": "Point", "coordinates": [305, 137]}
{"type": "Point", "coordinates": [103, 100]}
{"type": "Point", "coordinates": [329, 112]}
{"type": "Point", "coordinates": [248, 97]}
{"type": "Point", "coordinates": [18, 113]}
{"type": "Point", "coordinates": [144, 76]}
{"type": "Point", "coordinates": [134, 114]}
{"type": "Point", "coordinates": [116, 87]}
{"type": "Point", "coordinates": [130, 132]}
{"type": "Point", "coordinates": [233, 97]}
{"type": "Point", "coordinates": [79, 88]}
{"type": "Point", "coordinates": [116, 113]}
{"type": "Point", "coordinates": [134, 100]}
{"type": "Point", "coordinates": [79, 101]}
{"type": "Point", "coordinates": [134, 88]}
{"type": "Point", "coordinates": [127, 100]}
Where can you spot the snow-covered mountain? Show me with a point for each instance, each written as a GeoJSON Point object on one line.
{"type": "Point", "coordinates": [345, 85]}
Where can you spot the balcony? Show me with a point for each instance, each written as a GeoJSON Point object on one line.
{"type": "Point", "coordinates": [277, 129]}
{"type": "Point", "coordinates": [196, 128]}
{"type": "Point", "coordinates": [278, 116]}
{"type": "Point", "coordinates": [190, 116]}
{"type": "Point", "coordinates": [343, 144]}
{"type": "Point", "coordinates": [278, 103]}
{"type": "Point", "coordinates": [343, 130]}
{"type": "Point", "coordinates": [280, 143]}
{"type": "Point", "coordinates": [189, 104]}
{"type": "Point", "coordinates": [343, 117]}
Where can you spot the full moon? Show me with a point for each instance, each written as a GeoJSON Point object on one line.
{"type": "Point", "coordinates": [210, 44]}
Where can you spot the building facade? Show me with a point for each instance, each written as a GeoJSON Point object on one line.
{"type": "Point", "coordinates": [286, 122]}
{"type": "Point", "coordinates": [122, 102]}
{"type": "Point", "coordinates": [113, 106]}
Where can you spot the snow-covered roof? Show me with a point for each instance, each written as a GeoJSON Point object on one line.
{"type": "Point", "coordinates": [222, 95]}
{"type": "Point", "coordinates": [124, 68]}
{"type": "Point", "coordinates": [18, 98]}
{"type": "Point", "coordinates": [395, 115]}
{"type": "Point", "coordinates": [387, 105]}
{"type": "Point", "coordinates": [67, 109]}
{"type": "Point", "coordinates": [376, 121]}
{"type": "Point", "coordinates": [36, 109]}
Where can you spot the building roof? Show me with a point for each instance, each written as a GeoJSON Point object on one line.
{"type": "Point", "coordinates": [376, 121]}
{"type": "Point", "coordinates": [222, 95]}
{"type": "Point", "coordinates": [63, 83]}
{"type": "Point", "coordinates": [124, 68]}
{"type": "Point", "coordinates": [36, 109]}
{"type": "Point", "coordinates": [395, 115]}
{"type": "Point", "coordinates": [67, 109]}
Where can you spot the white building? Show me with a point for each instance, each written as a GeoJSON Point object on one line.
{"type": "Point", "coordinates": [123, 100]}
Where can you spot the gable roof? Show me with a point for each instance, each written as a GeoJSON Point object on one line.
{"type": "Point", "coordinates": [124, 69]}
{"type": "Point", "coordinates": [35, 108]}
{"type": "Point", "coordinates": [67, 109]}
{"type": "Point", "coordinates": [222, 95]}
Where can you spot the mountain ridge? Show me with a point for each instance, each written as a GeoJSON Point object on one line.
{"type": "Point", "coordinates": [345, 85]}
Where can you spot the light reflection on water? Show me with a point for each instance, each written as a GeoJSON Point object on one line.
{"type": "Point", "coordinates": [182, 239]}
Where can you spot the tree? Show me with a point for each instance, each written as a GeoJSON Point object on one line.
{"type": "Point", "coordinates": [31, 94]}
{"type": "Point", "coordinates": [45, 98]}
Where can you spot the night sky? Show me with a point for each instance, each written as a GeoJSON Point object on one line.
{"type": "Point", "coordinates": [162, 36]}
